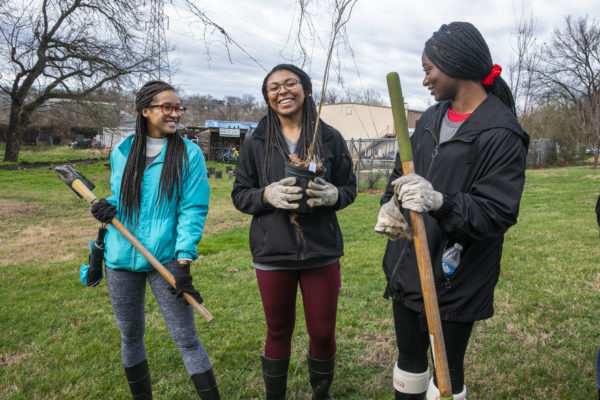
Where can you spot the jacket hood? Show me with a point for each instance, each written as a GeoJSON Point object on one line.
{"type": "Point", "coordinates": [491, 114]}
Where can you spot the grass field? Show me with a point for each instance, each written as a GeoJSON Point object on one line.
{"type": "Point", "coordinates": [59, 339]}
{"type": "Point", "coordinates": [29, 155]}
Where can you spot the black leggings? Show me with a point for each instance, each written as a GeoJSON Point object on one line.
{"type": "Point", "coordinates": [412, 339]}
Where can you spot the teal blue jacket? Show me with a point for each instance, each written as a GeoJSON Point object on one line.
{"type": "Point", "coordinates": [169, 229]}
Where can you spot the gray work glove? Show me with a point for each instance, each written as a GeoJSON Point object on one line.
{"type": "Point", "coordinates": [416, 193]}
{"type": "Point", "coordinates": [279, 194]}
{"type": "Point", "coordinates": [321, 193]}
{"type": "Point", "coordinates": [391, 222]}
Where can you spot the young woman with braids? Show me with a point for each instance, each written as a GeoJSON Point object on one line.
{"type": "Point", "coordinates": [469, 155]}
{"type": "Point", "coordinates": [283, 259]}
{"type": "Point", "coordinates": [160, 193]}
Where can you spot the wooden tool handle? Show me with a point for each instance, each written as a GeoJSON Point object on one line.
{"type": "Point", "coordinates": [160, 268]}
{"type": "Point", "coordinates": [87, 194]}
{"type": "Point", "coordinates": [432, 311]}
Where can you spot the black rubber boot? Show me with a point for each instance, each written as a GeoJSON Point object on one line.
{"type": "Point", "coordinates": [321, 376]}
{"type": "Point", "coordinates": [409, 396]}
{"type": "Point", "coordinates": [206, 385]}
{"type": "Point", "coordinates": [275, 373]}
{"type": "Point", "coordinates": [138, 378]}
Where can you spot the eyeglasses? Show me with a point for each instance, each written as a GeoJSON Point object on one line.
{"type": "Point", "coordinates": [289, 84]}
{"type": "Point", "coordinates": [167, 109]}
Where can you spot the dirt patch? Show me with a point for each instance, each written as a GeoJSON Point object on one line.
{"type": "Point", "coordinates": [6, 360]}
{"type": "Point", "coordinates": [373, 191]}
{"type": "Point", "coordinates": [380, 350]}
{"type": "Point", "coordinates": [56, 241]}
{"type": "Point", "coordinates": [11, 208]}
{"type": "Point", "coordinates": [592, 176]}
{"type": "Point", "coordinates": [219, 219]}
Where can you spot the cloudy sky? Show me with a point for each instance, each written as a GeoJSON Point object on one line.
{"type": "Point", "coordinates": [383, 36]}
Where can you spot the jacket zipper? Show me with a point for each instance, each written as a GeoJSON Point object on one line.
{"type": "Point", "coordinates": [133, 251]}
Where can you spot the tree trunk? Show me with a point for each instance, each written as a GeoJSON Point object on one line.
{"type": "Point", "coordinates": [17, 123]}
{"type": "Point", "coordinates": [13, 144]}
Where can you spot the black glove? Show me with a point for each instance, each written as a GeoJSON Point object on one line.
{"type": "Point", "coordinates": [103, 211]}
{"type": "Point", "coordinates": [183, 282]}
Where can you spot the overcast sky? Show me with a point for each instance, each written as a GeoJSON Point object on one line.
{"type": "Point", "coordinates": [384, 36]}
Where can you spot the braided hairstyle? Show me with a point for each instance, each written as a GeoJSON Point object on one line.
{"type": "Point", "coordinates": [275, 139]}
{"type": "Point", "coordinates": [458, 50]}
{"type": "Point", "coordinates": [175, 162]}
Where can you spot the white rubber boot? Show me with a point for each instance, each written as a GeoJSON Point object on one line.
{"type": "Point", "coordinates": [433, 392]}
{"type": "Point", "coordinates": [410, 383]}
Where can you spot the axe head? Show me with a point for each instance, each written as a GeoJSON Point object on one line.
{"type": "Point", "coordinates": [68, 174]}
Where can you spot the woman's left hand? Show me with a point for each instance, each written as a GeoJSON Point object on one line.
{"type": "Point", "coordinates": [322, 193]}
{"type": "Point", "coordinates": [183, 282]}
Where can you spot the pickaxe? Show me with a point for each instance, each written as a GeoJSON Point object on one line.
{"type": "Point", "coordinates": [83, 188]}
{"type": "Point", "coordinates": [432, 311]}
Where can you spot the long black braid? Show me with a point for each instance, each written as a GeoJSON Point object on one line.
{"type": "Point", "coordinates": [459, 51]}
{"type": "Point", "coordinates": [275, 139]}
{"type": "Point", "coordinates": [175, 162]}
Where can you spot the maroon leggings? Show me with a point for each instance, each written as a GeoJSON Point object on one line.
{"type": "Point", "coordinates": [320, 288]}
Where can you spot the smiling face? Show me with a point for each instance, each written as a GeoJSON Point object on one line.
{"type": "Point", "coordinates": [160, 125]}
{"type": "Point", "coordinates": [286, 102]}
{"type": "Point", "coordinates": [441, 86]}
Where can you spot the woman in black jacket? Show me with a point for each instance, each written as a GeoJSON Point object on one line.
{"type": "Point", "coordinates": [469, 154]}
{"type": "Point", "coordinates": [290, 248]}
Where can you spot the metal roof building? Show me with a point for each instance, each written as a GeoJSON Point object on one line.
{"type": "Point", "coordinates": [364, 121]}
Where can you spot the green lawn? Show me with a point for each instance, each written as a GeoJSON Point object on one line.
{"type": "Point", "coordinates": [59, 339]}
{"type": "Point", "coordinates": [50, 154]}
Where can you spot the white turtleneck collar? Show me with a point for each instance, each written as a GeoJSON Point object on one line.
{"type": "Point", "coordinates": [154, 146]}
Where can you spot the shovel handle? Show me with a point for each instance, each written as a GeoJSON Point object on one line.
{"type": "Point", "coordinates": [87, 194]}
{"type": "Point", "coordinates": [432, 311]}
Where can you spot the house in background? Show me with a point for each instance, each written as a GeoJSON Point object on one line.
{"type": "Point", "coordinates": [364, 121]}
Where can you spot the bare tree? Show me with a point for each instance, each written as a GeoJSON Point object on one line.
{"type": "Point", "coordinates": [521, 71]}
{"type": "Point", "coordinates": [571, 71]}
{"type": "Point", "coordinates": [65, 49]}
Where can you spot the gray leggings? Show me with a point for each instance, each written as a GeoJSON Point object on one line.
{"type": "Point", "coordinates": [127, 292]}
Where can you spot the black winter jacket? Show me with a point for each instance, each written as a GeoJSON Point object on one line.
{"type": "Point", "coordinates": [481, 173]}
{"type": "Point", "coordinates": [273, 239]}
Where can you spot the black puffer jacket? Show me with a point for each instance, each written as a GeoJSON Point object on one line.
{"type": "Point", "coordinates": [272, 237]}
{"type": "Point", "coordinates": [481, 173]}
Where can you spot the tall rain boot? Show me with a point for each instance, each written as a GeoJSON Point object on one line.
{"type": "Point", "coordinates": [433, 393]}
{"type": "Point", "coordinates": [275, 373]}
{"type": "Point", "coordinates": [138, 378]}
{"type": "Point", "coordinates": [321, 376]}
{"type": "Point", "coordinates": [206, 385]}
{"type": "Point", "coordinates": [409, 385]}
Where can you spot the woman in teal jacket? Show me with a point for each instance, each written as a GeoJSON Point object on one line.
{"type": "Point", "coordinates": [160, 193]}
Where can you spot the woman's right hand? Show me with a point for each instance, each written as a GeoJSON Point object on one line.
{"type": "Point", "coordinates": [103, 211]}
{"type": "Point", "coordinates": [279, 194]}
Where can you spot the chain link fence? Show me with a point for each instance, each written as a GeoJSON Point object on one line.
{"type": "Point", "coordinates": [373, 161]}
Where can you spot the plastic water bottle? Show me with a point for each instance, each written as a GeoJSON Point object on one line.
{"type": "Point", "coordinates": [451, 259]}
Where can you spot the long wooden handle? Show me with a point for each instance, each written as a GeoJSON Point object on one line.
{"type": "Point", "coordinates": [432, 311]}
{"type": "Point", "coordinates": [87, 194]}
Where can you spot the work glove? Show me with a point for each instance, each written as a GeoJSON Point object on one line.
{"type": "Point", "coordinates": [416, 193]}
{"type": "Point", "coordinates": [183, 282]}
{"type": "Point", "coordinates": [103, 211]}
{"type": "Point", "coordinates": [279, 194]}
{"type": "Point", "coordinates": [321, 193]}
{"type": "Point", "coordinates": [391, 222]}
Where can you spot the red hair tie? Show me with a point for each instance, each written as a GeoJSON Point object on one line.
{"type": "Point", "coordinates": [489, 80]}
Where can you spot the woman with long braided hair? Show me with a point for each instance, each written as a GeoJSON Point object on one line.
{"type": "Point", "coordinates": [160, 193]}
{"type": "Point", "coordinates": [469, 155]}
{"type": "Point", "coordinates": [290, 248]}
